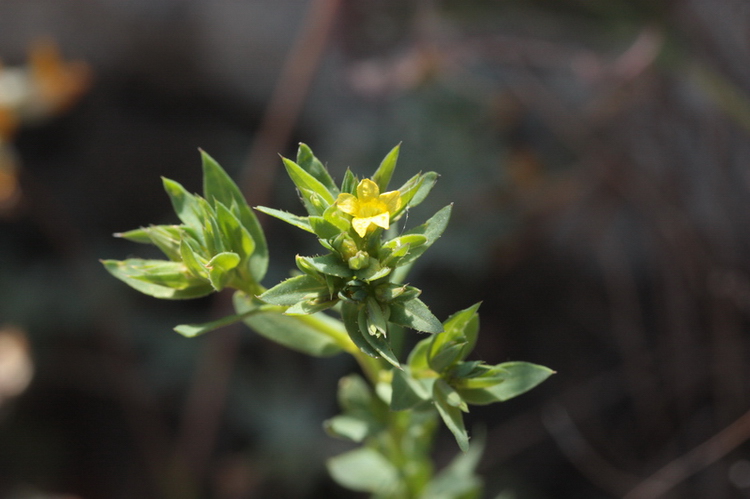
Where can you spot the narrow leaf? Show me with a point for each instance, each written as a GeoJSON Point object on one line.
{"type": "Point", "coordinates": [518, 378]}
{"type": "Point", "coordinates": [294, 332]}
{"type": "Point", "coordinates": [185, 204]}
{"type": "Point", "coordinates": [413, 313]}
{"type": "Point", "coordinates": [297, 221]}
{"type": "Point", "coordinates": [383, 174]}
{"type": "Point", "coordinates": [293, 290]}
{"type": "Point", "coordinates": [451, 415]}
{"type": "Point", "coordinates": [350, 316]}
{"type": "Point", "coordinates": [193, 330]}
{"type": "Point", "coordinates": [432, 229]}
{"type": "Point", "coordinates": [307, 160]}
{"type": "Point", "coordinates": [158, 278]}
{"type": "Point", "coordinates": [304, 180]}
{"type": "Point", "coordinates": [217, 185]}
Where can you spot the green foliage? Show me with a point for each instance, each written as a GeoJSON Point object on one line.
{"type": "Point", "coordinates": [393, 414]}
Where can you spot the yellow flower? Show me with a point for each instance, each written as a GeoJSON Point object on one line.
{"type": "Point", "coordinates": [369, 208]}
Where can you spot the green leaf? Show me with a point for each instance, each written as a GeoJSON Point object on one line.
{"type": "Point", "coordinates": [383, 174]}
{"type": "Point", "coordinates": [301, 333]}
{"type": "Point", "coordinates": [165, 237]}
{"type": "Point", "coordinates": [299, 222]}
{"type": "Point", "coordinates": [307, 182]}
{"type": "Point", "coordinates": [432, 229]}
{"type": "Point", "coordinates": [413, 313]}
{"type": "Point", "coordinates": [447, 355]}
{"type": "Point", "coordinates": [219, 186]}
{"type": "Point", "coordinates": [220, 268]}
{"type": "Point", "coordinates": [330, 265]}
{"type": "Point", "coordinates": [515, 378]}
{"type": "Point", "coordinates": [365, 470]}
{"type": "Point", "coordinates": [193, 330]}
{"type": "Point", "coordinates": [460, 328]}
{"type": "Point", "coordinates": [349, 427]}
{"type": "Point", "coordinates": [349, 184]}
{"type": "Point", "coordinates": [407, 391]}
{"type": "Point", "coordinates": [293, 290]}
{"type": "Point", "coordinates": [350, 316]}
{"type": "Point", "coordinates": [235, 236]}
{"type": "Point", "coordinates": [195, 263]}
{"type": "Point", "coordinates": [308, 307]}
{"type": "Point", "coordinates": [415, 190]}
{"type": "Point", "coordinates": [308, 162]}
{"type": "Point", "coordinates": [185, 205]}
{"type": "Point", "coordinates": [211, 233]}
{"type": "Point", "coordinates": [376, 318]}
{"type": "Point", "coordinates": [418, 356]}
{"type": "Point", "coordinates": [379, 343]}
{"type": "Point", "coordinates": [451, 415]}
{"type": "Point", "coordinates": [158, 278]}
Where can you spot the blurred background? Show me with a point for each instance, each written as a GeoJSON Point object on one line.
{"type": "Point", "coordinates": [597, 154]}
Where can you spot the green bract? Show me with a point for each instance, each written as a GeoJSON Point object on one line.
{"type": "Point", "coordinates": [358, 275]}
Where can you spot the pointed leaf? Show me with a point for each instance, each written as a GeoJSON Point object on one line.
{"type": "Point", "coordinates": [305, 181]}
{"type": "Point", "coordinates": [447, 355]}
{"type": "Point", "coordinates": [517, 378]}
{"type": "Point", "coordinates": [299, 222]}
{"type": "Point", "coordinates": [307, 160]}
{"type": "Point", "coordinates": [217, 185]}
{"type": "Point", "coordinates": [165, 237]}
{"type": "Point", "coordinates": [452, 415]}
{"type": "Point", "coordinates": [350, 316]}
{"type": "Point", "coordinates": [407, 391]}
{"type": "Point", "coordinates": [301, 333]}
{"type": "Point", "coordinates": [158, 278]}
{"type": "Point", "coordinates": [461, 327]}
{"type": "Point", "coordinates": [413, 313]}
{"type": "Point", "coordinates": [331, 265]}
{"type": "Point", "coordinates": [349, 184]}
{"type": "Point", "coordinates": [379, 343]}
{"type": "Point", "coordinates": [194, 263]}
{"type": "Point", "coordinates": [415, 190]}
{"type": "Point", "coordinates": [185, 204]}
{"type": "Point", "coordinates": [193, 330]}
{"type": "Point", "coordinates": [432, 229]}
{"type": "Point", "coordinates": [236, 237]}
{"type": "Point", "coordinates": [293, 290]}
{"type": "Point", "coordinates": [384, 172]}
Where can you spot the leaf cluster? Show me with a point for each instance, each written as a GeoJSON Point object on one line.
{"type": "Point", "coordinates": [218, 244]}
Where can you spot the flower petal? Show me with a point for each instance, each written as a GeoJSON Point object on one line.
{"type": "Point", "coordinates": [347, 203]}
{"type": "Point", "coordinates": [392, 200]}
{"type": "Point", "coordinates": [360, 225]}
{"type": "Point", "coordinates": [381, 220]}
{"type": "Point", "coordinates": [367, 190]}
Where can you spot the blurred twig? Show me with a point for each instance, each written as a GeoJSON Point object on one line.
{"type": "Point", "coordinates": [697, 459]}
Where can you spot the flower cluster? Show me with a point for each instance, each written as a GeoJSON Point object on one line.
{"type": "Point", "coordinates": [359, 271]}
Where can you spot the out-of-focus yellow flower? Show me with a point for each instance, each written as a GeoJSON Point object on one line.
{"type": "Point", "coordinates": [369, 208]}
